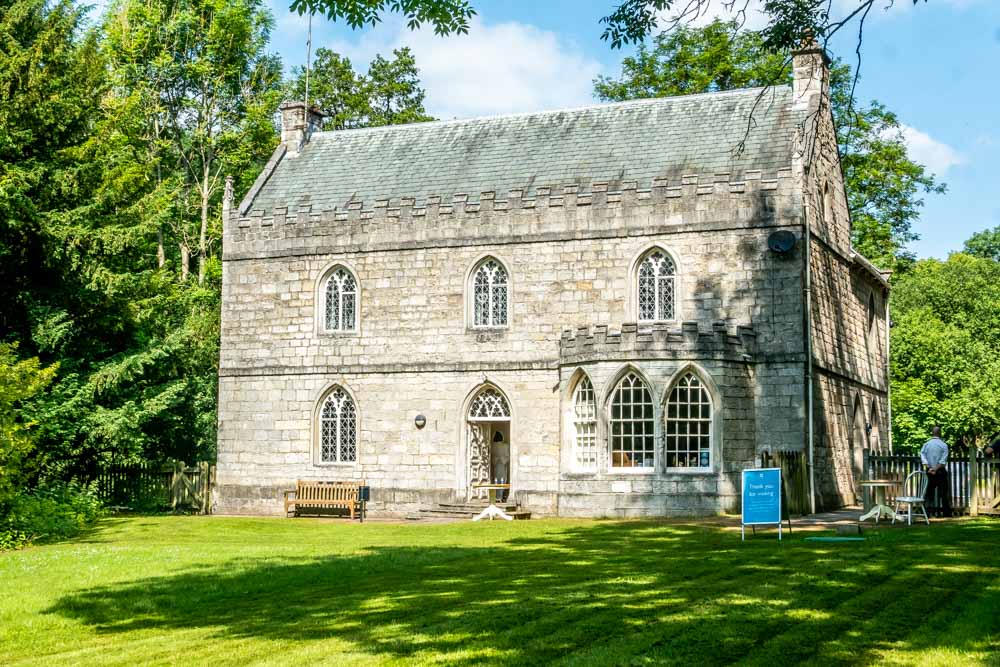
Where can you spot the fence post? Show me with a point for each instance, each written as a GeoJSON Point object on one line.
{"type": "Point", "coordinates": [205, 484]}
{"type": "Point", "coordinates": [973, 479]}
{"type": "Point", "coordinates": [176, 485]}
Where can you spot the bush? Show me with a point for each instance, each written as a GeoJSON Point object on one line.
{"type": "Point", "coordinates": [54, 512]}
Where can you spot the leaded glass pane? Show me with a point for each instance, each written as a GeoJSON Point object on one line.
{"type": "Point", "coordinates": [341, 301]}
{"type": "Point", "coordinates": [332, 304]}
{"type": "Point", "coordinates": [338, 428]}
{"type": "Point", "coordinates": [656, 288]}
{"type": "Point", "coordinates": [490, 299]}
{"type": "Point", "coordinates": [585, 425]}
{"type": "Point", "coordinates": [632, 424]}
{"type": "Point", "coordinates": [489, 404]}
{"type": "Point", "coordinates": [688, 427]}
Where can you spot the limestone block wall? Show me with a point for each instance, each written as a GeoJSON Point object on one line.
{"type": "Point", "coordinates": [569, 257]}
{"type": "Point", "coordinates": [850, 359]}
{"type": "Point", "coordinates": [660, 356]}
{"type": "Point", "coordinates": [268, 437]}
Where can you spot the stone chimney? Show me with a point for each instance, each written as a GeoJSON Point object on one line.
{"type": "Point", "coordinates": [295, 129]}
{"type": "Point", "coordinates": [810, 76]}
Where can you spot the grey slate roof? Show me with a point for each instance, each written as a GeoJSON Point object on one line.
{"type": "Point", "coordinates": [628, 141]}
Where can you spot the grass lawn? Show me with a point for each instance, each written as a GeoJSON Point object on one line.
{"type": "Point", "coordinates": [200, 590]}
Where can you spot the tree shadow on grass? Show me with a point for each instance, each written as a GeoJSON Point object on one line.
{"type": "Point", "coordinates": [601, 593]}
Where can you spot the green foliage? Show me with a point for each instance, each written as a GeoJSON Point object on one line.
{"type": "Point", "coordinates": [946, 351]}
{"type": "Point", "coordinates": [790, 22]}
{"type": "Point", "coordinates": [52, 512]}
{"type": "Point", "coordinates": [389, 94]}
{"type": "Point", "coordinates": [20, 380]}
{"type": "Point", "coordinates": [114, 145]}
{"type": "Point", "coordinates": [447, 16]}
{"type": "Point", "coordinates": [883, 184]}
{"type": "Point", "coordinates": [694, 60]}
{"type": "Point", "coordinates": [985, 244]}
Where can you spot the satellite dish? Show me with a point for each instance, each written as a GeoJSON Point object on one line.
{"type": "Point", "coordinates": [782, 241]}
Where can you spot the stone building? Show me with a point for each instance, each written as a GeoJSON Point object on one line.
{"type": "Point", "coordinates": [615, 308]}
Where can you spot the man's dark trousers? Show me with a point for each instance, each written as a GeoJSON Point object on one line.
{"type": "Point", "coordinates": [939, 480]}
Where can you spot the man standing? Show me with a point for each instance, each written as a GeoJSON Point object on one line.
{"type": "Point", "coordinates": [993, 449]}
{"type": "Point", "coordinates": [934, 456]}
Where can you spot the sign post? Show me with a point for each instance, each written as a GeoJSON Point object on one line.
{"type": "Point", "coordinates": [762, 496]}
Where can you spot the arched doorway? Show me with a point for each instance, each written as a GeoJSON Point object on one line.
{"type": "Point", "coordinates": [489, 451]}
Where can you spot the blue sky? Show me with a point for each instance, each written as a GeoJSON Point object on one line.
{"type": "Point", "coordinates": [937, 65]}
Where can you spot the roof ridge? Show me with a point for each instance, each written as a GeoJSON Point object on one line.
{"type": "Point", "coordinates": [546, 112]}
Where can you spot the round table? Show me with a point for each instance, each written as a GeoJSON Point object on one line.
{"type": "Point", "coordinates": [879, 487]}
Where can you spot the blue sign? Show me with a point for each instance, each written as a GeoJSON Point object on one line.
{"type": "Point", "coordinates": [762, 496]}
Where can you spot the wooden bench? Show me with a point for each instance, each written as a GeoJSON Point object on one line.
{"type": "Point", "coordinates": [323, 495]}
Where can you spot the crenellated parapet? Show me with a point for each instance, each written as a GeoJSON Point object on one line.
{"type": "Point", "coordinates": [657, 341]}
{"type": "Point", "coordinates": [741, 198]}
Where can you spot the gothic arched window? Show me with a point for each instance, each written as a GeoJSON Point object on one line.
{"type": "Point", "coordinates": [490, 294]}
{"type": "Point", "coordinates": [655, 284]}
{"type": "Point", "coordinates": [688, 425]}
{"type": "Point", "coordinates": [489, 404]}
{"type": "Point", "coordinates": [338, 442]}
{"type": "Point", "coordinates": [631, 425]}
{"type": "Point", "coordinates": [341, 294]}
{"type": "Point", "coordinates": [584, 426]}
{"type": "Point", "coordinates": [872, 312]}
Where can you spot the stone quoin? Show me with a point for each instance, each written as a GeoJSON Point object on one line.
{"type": "Point", "coordinates": [581, 302]}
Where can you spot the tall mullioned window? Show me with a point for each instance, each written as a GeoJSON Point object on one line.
{"type": "Point", "coordinates": [631, 424]}
{"type": "Point", "coordinates": [656, 287]}
{"type": "Point", "coordinates": [341, 301]}
{"type": "Point", "coordinates": [338, 429]}
{"type": "Point", "coordinates": [688, 425]}
{"type": "Point", "coordinates": [585, 426]}
{"type": "Point", "coordinates": [490, 294]}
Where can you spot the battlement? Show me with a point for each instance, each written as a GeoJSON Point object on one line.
{"type": "Point", "coordinates": [662, 190]}
{"type": "Point", "coordinates": [660, 341]}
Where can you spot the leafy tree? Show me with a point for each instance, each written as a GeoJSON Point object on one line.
{"type": "Point", "coordinates": [394, 92]}
{"type": "Point", "coordinates": [883, 183]}
{"type": "Point", "coordinates": [205, 86]}
{"type": "Point", "coordinates": [389, 94]}
{"type": "Point", "coordinates": [447, 16]}
{"type": "Point", "coordinates": [790, 22]}
{"type": "Point", "coordinates": [335, 88]}
{"type": "Point", "coordinates": [50, 81]}
{"type": "Point", "coordinates": [19, 381]}
{"type": "Point", "coordinates": [985, 244]}
{"type": "Point", "coordinates": [946, 350]}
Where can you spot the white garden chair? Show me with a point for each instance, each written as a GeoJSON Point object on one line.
{"type": "Point", "coordinates": [912, 494]}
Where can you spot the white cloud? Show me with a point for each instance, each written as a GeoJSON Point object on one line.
{"type": "Point", "coordinates": [495, 69]}
{"type": "Point", "coordinates": [938, 157]}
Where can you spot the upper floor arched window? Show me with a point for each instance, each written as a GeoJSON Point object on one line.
{"type": "Point", "coordinates": [490, 294]}
{"type": "Point", "coordinates": [656, 287]}
{"type": "Point", "coordinates": [872, 312]}
{"type": "Point", "coordinates": [340, 292]}
{"type": "Point", "coordinates": [338, 432]}
{"type": "Point", "coordinates": [688, 424]}
{"type": "Point", "coordinates": [631, 425]}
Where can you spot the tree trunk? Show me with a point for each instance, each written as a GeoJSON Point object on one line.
{"type": "Point", "coordinates": [185, 261]}
{"type": "Point", "coordinates": [161, 255]}
{"type": "Point", "coordinates": [203, 236]}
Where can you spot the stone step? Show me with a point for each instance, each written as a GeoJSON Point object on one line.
{"type": "Point", "coordinates": [465, 511]}
{"type": "Point", "coordinates": [475, 507]}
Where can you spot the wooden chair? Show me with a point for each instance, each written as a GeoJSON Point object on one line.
{"type": "Point", "coordinates": [912, 493]}
{"type": "Point", "coordinates": [323, 495]}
